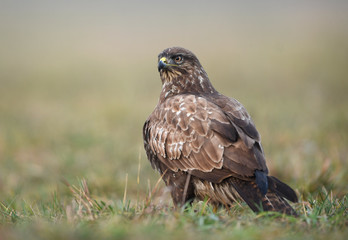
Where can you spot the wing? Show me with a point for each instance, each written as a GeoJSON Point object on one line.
{"type": "Point", "coordinates": [240, 119]}
{"type": "Point", "coordinates": [190, 133]}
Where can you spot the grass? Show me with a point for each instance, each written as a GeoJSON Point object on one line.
{"type": "Point", "coordinates": [88, 217]}
{"type": "Point", "coordinates": [73, 164]}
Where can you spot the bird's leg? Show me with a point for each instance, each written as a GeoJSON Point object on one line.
{"type": "Point", "coordinates": [181, 187]}
{"type": "Point", "coordinates": [188, 178]}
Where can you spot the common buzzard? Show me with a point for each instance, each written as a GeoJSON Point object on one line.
{"type": "Point", "coordinates": [205, 144]}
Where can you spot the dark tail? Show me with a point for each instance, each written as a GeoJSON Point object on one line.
{"type": "Point", "coordinates": [273, 200]}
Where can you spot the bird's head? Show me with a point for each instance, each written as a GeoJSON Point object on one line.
{"type": "Point", "coordinates": [181, 71]}
{"type": "Point", "coordinates": [177, 59]}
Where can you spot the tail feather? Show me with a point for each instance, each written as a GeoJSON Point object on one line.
{"type": "Point", "coordinates": [282, 189]}
{"type": "Point", "coordinates": [271, 201]}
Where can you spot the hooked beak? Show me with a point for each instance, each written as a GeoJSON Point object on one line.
{"type": "Point", "coordinates": [162, 63]}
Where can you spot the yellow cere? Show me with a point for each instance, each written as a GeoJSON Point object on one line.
{"type": "Point", "coordinates": [163, 59]}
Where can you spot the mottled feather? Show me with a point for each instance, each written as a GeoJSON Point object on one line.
{"type": "Point", "coordinates": [206, 144]}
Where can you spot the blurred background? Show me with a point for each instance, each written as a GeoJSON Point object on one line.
{"type": "Point", "coordinates": [79, 78]}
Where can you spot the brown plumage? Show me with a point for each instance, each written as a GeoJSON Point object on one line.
{"type": "Point", "coordinates": [205, 144]}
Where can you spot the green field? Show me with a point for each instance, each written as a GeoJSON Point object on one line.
{"type": "Point", "coordinates": [73, 101]}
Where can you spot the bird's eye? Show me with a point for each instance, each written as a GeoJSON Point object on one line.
{"type": "Point", "coordinates": [178, 59]}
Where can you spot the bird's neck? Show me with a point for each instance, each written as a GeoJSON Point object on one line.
{"type": "Point", "coordinates": [174, 83]}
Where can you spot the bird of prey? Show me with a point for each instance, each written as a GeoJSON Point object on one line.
{"type": "Point", "coordinates": [205, 145]}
